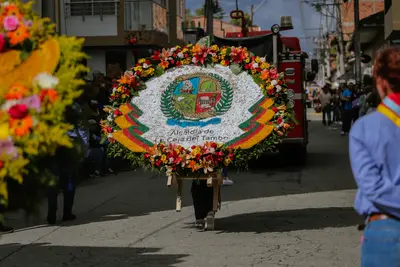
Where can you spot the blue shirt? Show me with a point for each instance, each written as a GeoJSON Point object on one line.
{"type": "Point", "coordinates": [347, 104]}
{"type": "Point", "coordinates": [375, 161]}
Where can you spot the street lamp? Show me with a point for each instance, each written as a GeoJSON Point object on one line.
{"type": "Point", "coordinates": [275, 30]}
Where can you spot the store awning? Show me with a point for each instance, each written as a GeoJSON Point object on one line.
{"type": "Point", "coordinates": [370, 28]}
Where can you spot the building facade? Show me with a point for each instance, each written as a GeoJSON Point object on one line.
{"type": "Point", "coordinates": [367, 8]}
{"type": "Point", "coordinates": [220, 27]}
{"type": "Point", "coordinates": [392, 21]}
{"type": "Point", "coordinates": [117, 32]}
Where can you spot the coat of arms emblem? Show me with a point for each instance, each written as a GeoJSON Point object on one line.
{"type": "Point", "coordinates": [196, 97]}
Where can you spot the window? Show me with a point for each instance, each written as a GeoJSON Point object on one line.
{"type": "Point", "coordinates": [388, 4]}
{"type": "Point", "coordinates": [93, 7]}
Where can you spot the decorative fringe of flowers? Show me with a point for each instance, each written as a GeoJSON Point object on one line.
{"type": "Point", "coordinates": [198, 159]}
{"type": "Point", "coordinates": [278, 119]}
{"type": "Point", "coordinates": [37, 83]}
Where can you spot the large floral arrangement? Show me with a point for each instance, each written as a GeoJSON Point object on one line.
{"type": "Point", "coordinates": [238, 59]}
{"type": "Point", "coordinates": [38, 81]}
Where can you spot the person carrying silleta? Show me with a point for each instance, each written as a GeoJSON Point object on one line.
{"type": "Point", "coordinates": [375, 161]}
{"type": "Point", "coordinates": [326, 98]}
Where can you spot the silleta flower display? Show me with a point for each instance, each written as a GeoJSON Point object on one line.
{"type": "Point", "coordinates": [37, 83]}
{"type": "Point", "coordinates": [185, 100]}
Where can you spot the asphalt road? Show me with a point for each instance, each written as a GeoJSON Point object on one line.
{"type": "Point", "coordinates": [277, 214]}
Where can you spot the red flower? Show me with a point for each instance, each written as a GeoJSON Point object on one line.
{"type": "Point", "coordinates": [2, 42]}
{"type": "Point", "coordinates": [1, 164]}
{"type": "Point", "coordinates": [271, 91]}
{"type": "Point", "coordinates": [156, 56]}
{"type": "Point", "coordinates": [117, 112]}
{"type": "Point", "coordinates": [158, 163]}
{"type": "Point", "coordinates": [193, 147]}
{"type": "Point", "coordinates": [214, 145]}
{"type": "Point", "coordinates": [279, 120]}
{"type": "Point", "coordinates": [146, 156]}
{"type": "Point", "coordinates": [274, 109]}
{"type": "Point", "coordinates": [109, 129]}
{"type": "Point", "coordinates": [18, 111]}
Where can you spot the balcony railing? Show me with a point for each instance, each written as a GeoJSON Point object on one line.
{"type": "Point", "coordinates": [145, 15]}
{"type": "Point", "coordinates": [85, 8]}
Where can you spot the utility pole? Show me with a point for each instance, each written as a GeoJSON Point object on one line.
{"type": "Point", "coordinates": [339, 31]}
{"type": "Point", "coordinates": [357, 45]}
{"type": "Point", "coordinates": [209, 10]}
{"type": "Point", "coordinates": [251, 15]}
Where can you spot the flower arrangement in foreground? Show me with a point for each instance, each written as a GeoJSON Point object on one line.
{"type": "Point", "coordinates": [197, 159]}
{"type": "Point", "coordinates": [37, 83]}
{"type": "Point", "coordinates": [239, 60]}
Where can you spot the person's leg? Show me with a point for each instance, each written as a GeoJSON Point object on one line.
{"type": "Point", "coordinates": [202, 196]}
{"type": "Point", "coordinates": [68, 180]}
{"type": "Point", "coordinates": [52, 196]}
{"type": "Point", "coordinates": [381, 244]}
{"type": "Point", "coordinates": [347, 116]}
{"type": "Point", "coordinates": [329, 115]}
{"type": "Point", "coordinates": [323, 116]}
{"type": "Point", "coordinates": [226, 180]}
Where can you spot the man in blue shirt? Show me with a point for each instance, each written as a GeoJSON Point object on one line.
{"type": "Point", "coordinates": [375, 161]}
{"type": "Point", "coordinates": [346, 98]}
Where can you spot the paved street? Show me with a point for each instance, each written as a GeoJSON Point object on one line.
{"type": "Point", "coordinates": [275, 215]}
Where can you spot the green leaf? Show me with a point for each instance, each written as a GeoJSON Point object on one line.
{"type": "Point", "coordinates": [24, 55]}
{"type": "Point", "coordinates": [257, 79]}
{"type": "Point", "coordinates": [236, 69]}
{"type": "Point", "coordinates": [159, 71]}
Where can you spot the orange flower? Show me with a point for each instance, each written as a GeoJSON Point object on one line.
{"type": "Point", "coordinates": [49, 94]}
{"type": "Point", "coordinates": [21, 127]}
{"type": "Point", "coordinates": [264, 74]}
{"type": "Point", "coordinates": [16, 91]}
{"type": "Point", "coordinates": [196, 49]}
{"type": "Point", "coordinates": [19, 35]}
{"type": "Point", "coordinates": [11, 10]}
{"type": "Point", "coordinates": [164, 64]}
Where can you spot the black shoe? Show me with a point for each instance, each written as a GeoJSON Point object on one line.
{"type": "Point", "coordinates": [51, 220]}
{"type": "Point", "coordinates": [110, 171]}
{"type": "Point", "coordinates": [6, 229]}
{"type": "Point", "coordinates": [69, 217]}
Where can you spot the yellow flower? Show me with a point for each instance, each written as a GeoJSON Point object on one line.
{"type": "Point", "coordinates": [4, 131]}
{"type": "Point", "coordinates": [164, 158]}
{"type": "Point", "coordinates": [214, 47]}
{"type": "Point", "coordinates": [247, 60]}
{"type": "Point", "coordinates": [257, 59]}
{"type": "Point", "coordinates": [184, 50]}
{"type": "Point", "coordinates": [138, 68]}
{"type": "Point", "coordinates": [150, 71]}
{"type": "Point", "coordinates": [142, 60]}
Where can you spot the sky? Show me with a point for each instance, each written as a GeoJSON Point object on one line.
{"type": "Point", "coordinates": [268, 12]}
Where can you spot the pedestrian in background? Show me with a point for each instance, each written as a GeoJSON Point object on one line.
{"type": "Point", "coordinates": [326, 98]}
{"type": "Point", "coordinates": [347, 98]}
{"type": "Point", "coordinates": [375, 161]}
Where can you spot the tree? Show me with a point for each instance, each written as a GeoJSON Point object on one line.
{"type": "Point", "coordinates": [238, 22]}
{"type": "Point", "coordinates": [188, 13]}
{"type": "Point", "coordinates": [218, 11]}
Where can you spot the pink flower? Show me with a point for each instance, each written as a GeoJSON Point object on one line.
{"type": "Point", "coordinates": [7, 146]}
{"type": "Point", "coordinates": [11, 23]}
{"type": "Point", "coordinates": [2, 42]}
{"type": "Point", "coordinates": [28, 23]}
{"type": "Point", "coordinates": [33, 102]}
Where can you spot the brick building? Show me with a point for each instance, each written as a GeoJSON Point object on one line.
{"type": "Point", "coordinates": [367, 8]}
{"type": "Point", "coordinates": [220, 27]}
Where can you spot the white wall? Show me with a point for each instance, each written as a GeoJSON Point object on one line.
{"type": "Point", "coordinates": [97, 61]}
{"type": "Point", "coordinates": [89, 26]}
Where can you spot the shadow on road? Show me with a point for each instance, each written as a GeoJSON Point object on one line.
{"type": "Point", "coordinates": [62, 256]}
{"type": "Point", "coordinates": [289, 220]}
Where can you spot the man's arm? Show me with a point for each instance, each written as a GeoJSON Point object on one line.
{"type": "Point", "coordinates": [372, 184]}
